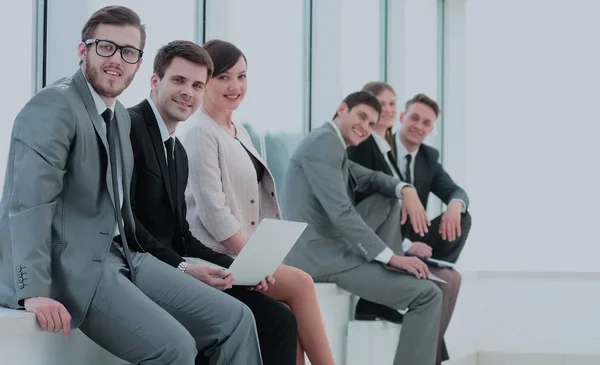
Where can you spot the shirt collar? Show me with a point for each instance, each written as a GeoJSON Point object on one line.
{"type": "Point", "coordinates": [100, 105]}
{"type": "Point", "coordinates": [383, 145]}
{"type": "Point", "coordinates": [401, 151]}
{"type": "Point", "coordinates": [164, 132]}
{"type": "Point", "coordinates": [339, 133]}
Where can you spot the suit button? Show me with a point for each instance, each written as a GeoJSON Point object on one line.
{"type": "Point", "coordinates": [19, 274]}
{"type": "Point", "coordinates": [272, 194]}
{"type": "Point", "coordinates": [21, 286]}
{"type": "Point", "coordinates": [20, 280]}
{"type": "Point", "coordinates": [252, 201]}
{"type": "Point", "coordinates": [18, 268]}
{"type": "Point", "coordinates": [252, 223]}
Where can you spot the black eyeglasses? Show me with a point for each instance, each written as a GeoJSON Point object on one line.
{"type": "Point", "coordinates": [106, 48]}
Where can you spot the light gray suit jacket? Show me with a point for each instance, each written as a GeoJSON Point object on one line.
{"type": "Point", "coordinates": [319, 188]}
{"type": "Point", "coordinates": [57, 216]}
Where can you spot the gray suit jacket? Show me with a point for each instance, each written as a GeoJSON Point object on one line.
{"type": "Point", "coordinates": [57, 216]}
{"type": "Point", "coordinates": [319, 188]}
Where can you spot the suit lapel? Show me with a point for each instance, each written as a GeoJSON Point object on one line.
{"type": "Point", "coordinates": [348, 177]}
{"type": "Point", "coordinates": [420, 171]}
{"type": "Point", "coordinates": [126, 154]}
{"type": "Point", "coordinates": [381, 163]}
{"type": "Point", "coordinates": [97, 122]}
{"type": "Point", "coordinates": [181, 179]}
{"type": "Point", "coordinates": [395, 165]}
{"type": "Point", "coordinates": [158, 144]}
{"type": "Point", "coordinates": [125, 148]}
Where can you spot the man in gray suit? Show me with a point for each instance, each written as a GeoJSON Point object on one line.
{"type": "Point", "coordinates": [66, 226]}
{"type": "Point", "coordinates": [351, 246]}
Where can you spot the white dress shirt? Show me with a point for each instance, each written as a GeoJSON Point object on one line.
{"type": "Point", "coordinates": [401, 153]}
{"type": "Point", "coordinates": [101, 107]}
{"type": "Point", "coordinates": [164, 132]}
{"type": "Point", "coordinates": [386, 255]}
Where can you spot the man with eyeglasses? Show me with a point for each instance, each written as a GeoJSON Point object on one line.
{"type": "Point", "coordinates": [68, 251]}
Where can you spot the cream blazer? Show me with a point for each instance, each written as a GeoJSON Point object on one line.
{"type": "Point", "coordinates": [222, 194]}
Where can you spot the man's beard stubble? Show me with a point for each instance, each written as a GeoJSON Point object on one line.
{"type": "Point", "coordinates": [91, 75]}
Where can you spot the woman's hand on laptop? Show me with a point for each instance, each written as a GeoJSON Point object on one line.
{"type": "Point", "coordinates": [264, 285]}
{"type": "Point", "coordinates": [217, 278]}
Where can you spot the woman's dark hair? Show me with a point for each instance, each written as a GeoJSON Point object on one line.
{"type": "Point", "coordinates": [224, 55]}
{"type": "Point", "coordinates": [377, 87]}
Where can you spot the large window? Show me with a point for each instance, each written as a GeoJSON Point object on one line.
{"type": "Point", "coordinates": [415, 60]}
{"type": "Point", "coordinates": [18, 62]}
{"type": "Point", "coordinates": [272, 35]}
{"type": "Point", "coordinates": [347, 52]}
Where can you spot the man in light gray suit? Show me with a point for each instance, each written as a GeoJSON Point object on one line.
{"type": "Point", "coordinates": [351, 246]}
{"type": "Point", "coordinates": [67, 235]}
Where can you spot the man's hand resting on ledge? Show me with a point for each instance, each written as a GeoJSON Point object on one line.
{"type": "Point", "coordinates": [51, 315]}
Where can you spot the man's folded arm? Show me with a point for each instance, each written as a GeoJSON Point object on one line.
{"type": "Point", "coordinates": [326, 180]}
{"type": "Point", "coordinates": [152, 246]}
{"type": "Point", "coordinates": [195, 248]}
{"type": "Point", "coordinates": [370, 181]}
{"type": "Point", "coordinates": [42, 136]}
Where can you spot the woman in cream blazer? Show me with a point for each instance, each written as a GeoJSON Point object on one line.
{"type": "Point", "coordinates": [230, 190]}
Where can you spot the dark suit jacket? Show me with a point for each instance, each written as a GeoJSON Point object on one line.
{"type": "Point", "coordinates": [430, 176]}
{"type": "Point", "coordinates": [161, 226]}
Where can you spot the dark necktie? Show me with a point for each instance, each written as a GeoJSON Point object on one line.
{"type": "Point", "coordinates": [170, 144]}
{"type": "Point", "coordinates": [408, 174]}
{"type": "Point", "coordinates": [111, 136]}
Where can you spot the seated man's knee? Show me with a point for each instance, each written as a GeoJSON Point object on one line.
{"type": "Point", "coordinates": [246, 319]}
{"type": "Point", "coordinates": [179, 347]}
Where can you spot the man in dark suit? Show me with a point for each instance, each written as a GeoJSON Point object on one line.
{"type": "Point", "coordinates": [67, 229]}
{"type": "Point", "coordinates": [181, 71]}
{"type": "Point", "coordinates": [419, 166]}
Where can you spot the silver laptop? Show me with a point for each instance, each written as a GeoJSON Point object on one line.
{"type": "Point", "coordinates": [263, 252]}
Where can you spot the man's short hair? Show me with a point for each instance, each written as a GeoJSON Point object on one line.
{"type": "Point", "coordinates": [187, 50]}
{"type": "Point", "coordinates": [424, 99]}
{"type": "Point", "coordinates": [115, 15]}
{"type": "Point", "coordinates": [362, 97]}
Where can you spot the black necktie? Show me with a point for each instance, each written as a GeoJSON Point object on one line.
{"type": "Point", "coordinates": [169, 144]}
{"type": "Point", "coordinates": [408, 174]}
{"type": "Point", "coordinates": [111, 136]}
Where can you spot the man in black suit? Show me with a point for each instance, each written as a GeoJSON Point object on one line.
{"type": "Point", "coordinates": [181, 71]}
{"type": "Point", "coordinates": [419, 166]}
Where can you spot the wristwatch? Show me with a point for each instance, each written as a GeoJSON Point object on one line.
{"type": "Point", "coordinates": [182, 266]}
